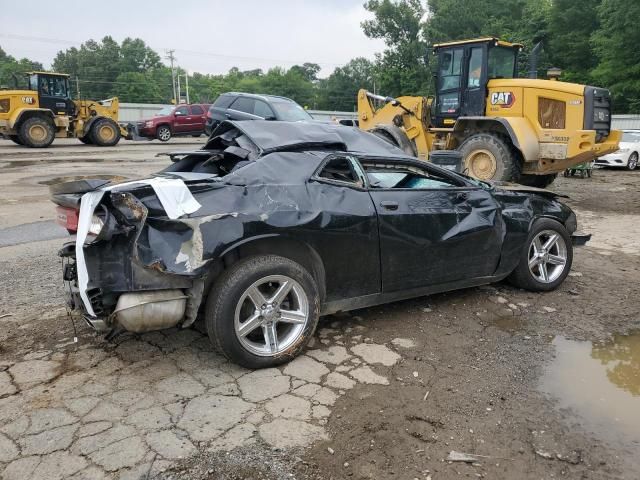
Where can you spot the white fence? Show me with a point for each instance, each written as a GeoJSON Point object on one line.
{"type": "Point", "coordinates": [625, 122]}
{"type": "Point", "coordinates": [132, 112]}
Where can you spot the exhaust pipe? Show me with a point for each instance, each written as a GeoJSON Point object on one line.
{"type": "Point", "coordinates": [533, 60]}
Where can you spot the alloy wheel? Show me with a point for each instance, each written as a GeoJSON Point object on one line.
{"type": "Point", "coordinates": [164, 134]}
{"type": "Point", "coordinates": [547, 256]}
{"type": "Point", "coordinates": [632, 163]}
{"type": "Point", "coordinates": [271, 315]}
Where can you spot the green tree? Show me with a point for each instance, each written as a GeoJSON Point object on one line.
{"type": "Point", "coordinates": [616, 46]}
{"type": "Point", "coordinates": [402, 68]}
{"type": "Point", "coordinates": [12, 70]}
{"type": "Point", "coordinates": [105, 68]}
{"type": "Point", "coordinates": [339, 90]}
{"type": "Point", "coordinates": [571, 24]}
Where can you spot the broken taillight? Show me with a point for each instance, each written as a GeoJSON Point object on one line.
{"type": "Point", "coordinates": [68, 218]}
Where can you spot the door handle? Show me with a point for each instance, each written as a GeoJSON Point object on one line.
{"type": "Point", "coordinates": [389, 205]}
{"type": "Point", "coordinates": [227, 115]}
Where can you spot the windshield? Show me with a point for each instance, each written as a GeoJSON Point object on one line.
{"type": "Point", "coordinates": [631, 137]}
{"type": "Point", "coordinates": [164, 111]}
{"type": "Point", "coordinates": [502, 62]}
{"type": "Point", "coordinates": [290, 111]}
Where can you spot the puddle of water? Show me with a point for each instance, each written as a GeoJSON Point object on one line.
{"type": "Point", "coordinates": [601, 385]}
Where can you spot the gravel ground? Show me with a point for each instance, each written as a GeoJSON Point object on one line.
{"type": "Point", "coordinates": [385, 392]}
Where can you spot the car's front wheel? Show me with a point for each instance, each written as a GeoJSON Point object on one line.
{"type": "Point", "coordinates": [163, 133]}
{"type": "Point", "coordinates": [632, 163]}
{"type": "Point", "coordinates": [546, 259]}
{"type": "Point", "coordinates": [262, 311]}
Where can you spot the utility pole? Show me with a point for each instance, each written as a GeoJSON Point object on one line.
{"type": "Point", "coordinates": [186, 79]}
{"type": "Point", "coordinates": [173, 74]}
{"type": "Point", "coordinates": [179, 94]}
{"type": "Point", "coordinates": [78, 87]}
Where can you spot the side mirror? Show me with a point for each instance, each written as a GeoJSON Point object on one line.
{"type": "Point", "coordinates": [270, 117]}
{"type": "Point", "coordinates": [177, 114]}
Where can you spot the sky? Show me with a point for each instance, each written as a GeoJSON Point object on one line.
{"type": "Point", "coordinates": [208, 36]}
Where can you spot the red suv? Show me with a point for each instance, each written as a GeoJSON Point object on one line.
{"type": "Point", "coordinates": [174, 121]}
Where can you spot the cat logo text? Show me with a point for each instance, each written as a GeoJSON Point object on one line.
{"type": "Point", "coordinates": [503, 99]}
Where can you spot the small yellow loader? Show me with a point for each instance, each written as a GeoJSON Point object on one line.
{"type": "Point", "coordinates": [506, 128]}
{"type": "Point", "coordinates": [34, 116]}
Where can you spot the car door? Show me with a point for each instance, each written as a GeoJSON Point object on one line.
{"type": "Point", "coordinates": [181, 119]}
{"type": "Point", "coordinates": [197, 118]}
{"type": "Point", "coordinates": [345, 233]}
{"type": "Point", "coordinates": [435, 228]}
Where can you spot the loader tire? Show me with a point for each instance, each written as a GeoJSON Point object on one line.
{"type": "Point", "coordinates": [86, 140]}
{"type": "Point", "coordinates": [488, 156]}
{"type": "Point", "coordinates": [539, 181]}
{"type": "Point", "coordinates": [104, 133]}
{"type": "Point", "coordinates": [36, 132]}
{"type": "Point", "coordinates": [15, 139]}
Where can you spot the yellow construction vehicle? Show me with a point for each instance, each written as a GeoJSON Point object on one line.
{"type": "Point", "coordinates": [506, 128]}
{"type": "Point", "coordinates": [35, 115]}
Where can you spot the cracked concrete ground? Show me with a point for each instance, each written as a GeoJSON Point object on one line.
{"type": "Point", "coordinates": [467, 377]}
{"type": "Point", "coordinates": [129, 410]}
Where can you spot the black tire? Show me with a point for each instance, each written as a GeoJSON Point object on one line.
{"type": "Point", "coordinates": [36, 132]}
{"type": "Point", "coordinates": [104, 132]}
{"type": "Point", "coordinates": [539, 181]}
{"type": "Point", "coordinates": [15, 139]}
{"type": "Point", "coordinates": [507, 165]}
{"type": "Point", "coordinates": [225, 296]}
{"type": "Point", "coordinates": [86, 140]}
{"type": "Point", "coordinates": [163, 133]}
{"type": "Point", "coordinates": [632, 163]}
{"type": "Point", "coordinates": [196, 135]}
{"type": "Point", "coordinates": [523, 277]}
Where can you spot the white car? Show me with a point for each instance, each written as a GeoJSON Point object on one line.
{"type": "Point", "coordinates": [627, 156]}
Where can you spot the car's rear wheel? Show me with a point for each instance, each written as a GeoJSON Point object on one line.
{"type": "Point", "coordinates": [633, 161]}
{"type": "Point", "coordinates": [163, 133]}
{"type": "Point", "coordinates": [262, 311]}
{"type": "Point", "coordinates": [37, 132]}
{"type": "Point", "coordinates": [546, 259]}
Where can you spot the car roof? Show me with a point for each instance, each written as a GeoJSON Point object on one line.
{"type": "Point", "coordinates": [269, 136]}
{"type": "Point", "coordinates": [259, 96]}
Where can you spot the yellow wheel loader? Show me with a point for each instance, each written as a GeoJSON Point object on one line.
{"type": "Point", "coordinates": [35, 115]}
{"type": "Point", "coordinates": [506, 128]}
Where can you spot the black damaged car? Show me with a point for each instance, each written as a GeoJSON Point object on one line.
{"type": "Point", "coordinates": [273, 224]}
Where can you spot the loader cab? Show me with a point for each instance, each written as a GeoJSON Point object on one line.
{"type": "Point", "coordinates": [53, 92]}
{"type": "Point", "coordinates": [464, 69]}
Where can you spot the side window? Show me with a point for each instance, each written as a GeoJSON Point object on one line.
{"type": "Point", "coordinates": [182, 110]}
{"type": "Point", "coordinates": [223, 101]}
{"type": "Point", "coordinates": [340, 170]}
{"type": "Point", "coordinates": [475, 67]}
{"type": "Point", "coordinates": [244, 104]}
{"type": "Point", "coordinates": [263, 110]}
{"type": "Point", "coordinates": [450, 67]}
{"type": "Point", "coordinates": [197, 110]}
{"type": "Point", "coordinates": [398, 175]}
